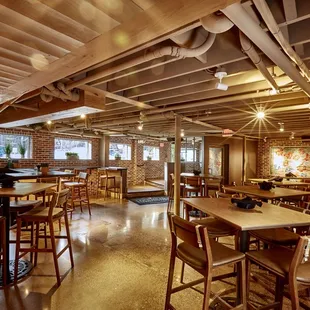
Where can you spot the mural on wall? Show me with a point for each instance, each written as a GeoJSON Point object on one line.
{"type": "Point", "coordinates": [290, 159]}
{"type": "Point", "coordinates": [215, 160]}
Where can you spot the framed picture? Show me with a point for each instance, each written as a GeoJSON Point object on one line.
{"type": "Point", "coordinates": [287, 159]}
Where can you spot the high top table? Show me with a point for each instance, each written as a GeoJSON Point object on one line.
{"type": "Point", "coordinates": [285, 183]}
{"type": "Point", "coordinates": [268, 216]}
{"type": "Point", "coordinates": [18, 191]}
{"type": "Point", "coordinates": [27, 174]}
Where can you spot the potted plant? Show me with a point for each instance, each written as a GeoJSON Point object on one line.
{"type": "Point", "coordinates": [72, 156]}
{"type": "Point", "coordinates": [149, 157]}
{"type": "Point", "coordinates": [22, 149]}
{"type": "Point", "coordinates": [44, 168]}
{"type": "Point", "coordinates": [8, 149]}
{"type": "Point", "coordinates": [117, 156]}
{"type": "Point", "coordinates": [182, 159]}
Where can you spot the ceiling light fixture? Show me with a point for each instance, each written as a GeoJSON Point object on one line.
{"type": "Point", "coordinates": [265, 139]}
{"type": "Point", "coordinates": [273, 91]}
{"type": "Point", "coordinates": [49, 122]}
{"type": "Point", "coordinates": [140, 126]}
{"type": "Point", "coordinates": [260, 115]}
{"type": "Point", "coordinates": [281, 127]}
{"type": "Point", "coordinates": [220, 74]}
{"type": "Point", "coordinates": [82, 116]}
{"type": "Point", "coordinates": [292, 136]}
{"type": "Point", "coordinates": [182, 133]}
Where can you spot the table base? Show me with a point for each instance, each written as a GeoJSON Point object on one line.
{"type": "Point", "coordinates": [24, 267]}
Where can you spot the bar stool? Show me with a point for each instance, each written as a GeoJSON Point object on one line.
{"type": "Point", "coordinates": [289, 267]}
{"type": "Point", "coordinates": [65, 179]}
{"type": "Point", "coordinates": [204, 255]}
{"type": "Point", "coordinates": [48, 194]}
{"type": "Point", "coordinates": [193, 185]}
{"type": "Point", "coordinates": [3, 261]}
{"type": "Point", "coordinates": [103, 181]}
{"type": "Point", "coordinates": [56, 210]}
{"type": "Point", "coordinates": [79, 192]}
{"type": "Point", "coordinates": [171, 191]}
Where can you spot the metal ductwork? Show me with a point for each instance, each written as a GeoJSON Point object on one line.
{"type": "Point", "coordinates": [50, 91]}
{"type": "Point", "coordinates": [274, 28]}
{"type": "Point", "coordinates": [216, 23]}
{"type": "Point", "coordinates": [249, 49]}
{"type": "Point", "coordinates": [239, 16]}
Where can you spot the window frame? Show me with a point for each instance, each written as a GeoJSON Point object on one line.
{"type": "Point", "coordinates": [29, 146]}
{"type": "Point", "coordinates": [151, 146]}
{"type": "Point", "coordinates": [126, 144]}
{"type": "Point", "coordinates": [88, 141]}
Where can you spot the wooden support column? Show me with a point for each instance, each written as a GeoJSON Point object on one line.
{"type": "Point", "coordinates": [177, 165]}
{"type": "Point", "coordinates": [244, 160]}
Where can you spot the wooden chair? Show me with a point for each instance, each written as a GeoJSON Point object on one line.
{"type": "Point", "coordinates": [278, 236]}
{"type": "Point", "coordinates": [289, 267]}
{"type": "Point", "coordinates": [65, 179]}
{"type": "Point", "coordinates": [3, 261]}
{"type": "Point", "coordinates": [204, 255]}
{"type": "Point", "coordinates": [48, 194]}
{"type": "Point", "coordinates": [192, 185]}
{"type": "Point", "coordinates": [56, 210]}
{"type": "Point", "coordinates": [103, 181]}
{"type": "Point", "coordinates": [212, 185]}
{"type": "Point", "coordinates": [171, 191]}
{"type": "Point", "coordinates": [79, 192]}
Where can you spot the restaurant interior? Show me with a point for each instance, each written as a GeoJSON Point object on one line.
{"type": "Point", "coordinates": [154, 154]}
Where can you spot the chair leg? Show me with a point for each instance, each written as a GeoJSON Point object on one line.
{"type": "Point", "coordinates": [54, 253]}
{"type": "Point", "coordinates": [279, 291]}
{"type": "Point", "coordinates": [182, 273]}
{"type": "Point", "coordinates": [3, 247]}
{"type": "Point", "coordinates": [17, 247]}
{"type": "Point", "coordinates": [36, 243]}
{"type": "Point", "coordinates": [248, 277]}
{"type": "Point", "coordinates": [243, 284]}
{"type": "Point", "coordinates": [59, 224]}
{"type": "Point", "coordinates": [87, 197]}
{"type": "Point", "coordinates": [170, 280]}
{"type": "Point", "coordinates": [207, 292]}
{"type": "Point", "coordinates": [294, 294]}
{"type": "Point", "coordinates": [69, 238]}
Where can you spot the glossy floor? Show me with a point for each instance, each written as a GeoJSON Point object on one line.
{"type": "Point", "coordinates": [121, 259]}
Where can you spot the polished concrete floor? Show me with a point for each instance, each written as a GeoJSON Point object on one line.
{"type": "Point", "coordinates": [121, 259]}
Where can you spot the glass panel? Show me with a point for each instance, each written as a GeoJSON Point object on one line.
{"type": "Point", "coordinates": [82, 147]}
{"type": "Point", "coordinates": [215, 160]}
{"type": "Point", "coordinates": [16, 141]}
{"type": "Point", "coordinates": [150, 153]}
{"type": "Point", "coordinates": [119, 150]}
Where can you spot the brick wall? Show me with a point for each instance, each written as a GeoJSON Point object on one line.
{"type": "Point", "coordinates": [263, 160]}
{"type": "Point", "coordinates": [43, 150]}
{"type": "Point", "coordinates": [140, 170]}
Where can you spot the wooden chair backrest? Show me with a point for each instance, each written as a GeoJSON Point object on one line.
{"type": "Point", "coordinates": [190, 233]}
{"type": "Point", "coordinates": [291, 207]}
{"type": "Point", "coordinates": [83, 177]}
{"type": "Point", "coordinates": [59, 200]}
{"type": "Point", "coordinates": [55, 180]}
{"type": "Point", "coordinates": [249, 184]}
{"type": "Point", "coordinates": [171, 175]}
{"type": "Point", "coordinates": [193, 181]}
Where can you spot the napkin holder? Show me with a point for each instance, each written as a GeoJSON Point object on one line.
{"type": "Point", "coordinates": [246, 203]}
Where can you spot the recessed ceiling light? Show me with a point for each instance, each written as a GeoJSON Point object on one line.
{"type": "Point", "coordinates": [83, 116]}
{"type": "Point", "coordinates": [182, 133]}
{"type": "Point", "coordinates": [281, 127]}
{"type": "Point", "coordinates": [260, 115]}
{"type": "Point", "coordinates": [49, 122]}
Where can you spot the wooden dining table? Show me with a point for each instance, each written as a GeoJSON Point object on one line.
{"type": "Point", "coordinates": [18, 191]}
{"type": "Point", "coordinates": [283, 183]}
{"type": "Point", "coordinates": [267, 216]}
{"type": "Point", "coordinates": [274, 193]}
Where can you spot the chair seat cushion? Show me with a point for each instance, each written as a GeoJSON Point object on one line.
{"type": "Point", "coordinates": [278, 236]}
{"type": "Point", "coordinates": [196, 258]}
{"type": "Point", "coordinates": [41, 213]}
{"type": "Point", "coordinates": [278, 260]}
{"type": "Point", "coordinates": [216, 228]}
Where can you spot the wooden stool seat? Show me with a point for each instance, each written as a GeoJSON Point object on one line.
{"type": "Point", "coordinates": [75, 184]}
{"type": "Point", "coordinates": [42, 213]}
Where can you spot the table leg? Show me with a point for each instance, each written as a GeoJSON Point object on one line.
{"type": "Point", "coordinates": [6, 214]}
{"type": "Point", "coordinates": [243, 247]}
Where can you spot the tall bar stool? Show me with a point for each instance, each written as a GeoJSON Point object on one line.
{"type": "Point", "coordinates": [79, 192]}
{"type": "Point", "coordinates": [48, 194]}
{"type": "Point", "coordinates": [3, 261]}
{"type": "Point", "coordinates": [65, 179]}
{"type": "Point", "coordinates": [103, 182]}
{"type": "Point", "coordinates": [56, 210]}
{"type": "Point", "coordinates": [171, 191]}
{"type": "Point", "coordinates": [204, 255]}
{"type": "Point", "coordinates": [289, 267]}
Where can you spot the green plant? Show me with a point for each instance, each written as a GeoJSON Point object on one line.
{"type": "Point", "coordinates": [22, 149]}
{"type": "Point", "coordinates": [117, 156]}
{"type": "Point", "coordinates": [8, 149]}
{"type": "Point", "coordinates": [149, 157]}
{"type": "Point", "coordinates": [182, 159]}
{"type": "Point", "coordinates": [69, 154]}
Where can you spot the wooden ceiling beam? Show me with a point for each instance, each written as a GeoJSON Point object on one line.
{"type": "Point", "coordinates": [164, 18]}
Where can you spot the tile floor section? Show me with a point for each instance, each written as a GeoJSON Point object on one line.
{"type": "Point", "coordinates": [121, 262]}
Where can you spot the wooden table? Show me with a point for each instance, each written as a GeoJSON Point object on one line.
{"type": "Point", "coordinates": [29, 174]}
{"type": "Point", "coordinates": [275, 193]}
{"type": "Point", "coordinates": [282, 183]}
{"type": "Point", "coordinates": [20, 190]}
{"type": "Point", "coordinates": [268, 216]}
{"type": "Point", "coordinates": [201, 175]}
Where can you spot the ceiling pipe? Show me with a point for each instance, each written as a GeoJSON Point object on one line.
{"type": "Point", "coordinates": [174, 51]}
{"type": "Point", "coordinates": [50, 91]}
{"type": "Point", "coordinates": [216, 23]}
{"type": "Point", "coordinates": [249, 49]}
{"type": "Point", "coordinates": [266, 14]}
{"type": "Point", "coordinates": [239, 16]}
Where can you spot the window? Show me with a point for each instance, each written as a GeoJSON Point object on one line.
{"type": "Point", "coordinates": [187, 154]}
{"type": "Point", "coordinates": [150, 153]}
{"type": "Point", "coordinates": [62, 146]}
{"type": "Point", "coordinates": [119, 150]}
{"type": "Point", "coordinates": [16, 141]}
